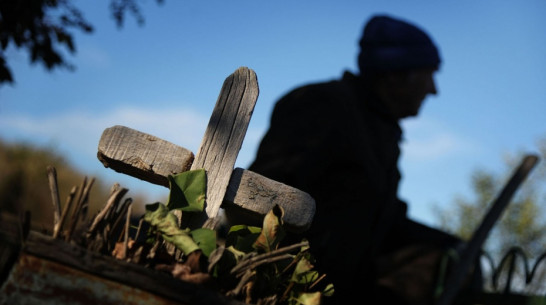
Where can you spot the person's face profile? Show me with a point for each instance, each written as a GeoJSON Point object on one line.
{"type": "Point", "coordinates": [410, 90]}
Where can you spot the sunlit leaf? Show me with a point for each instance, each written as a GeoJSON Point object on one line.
{"type": "Point", "coordinates": [328, 291]}
{"type": "Point", "coordinates": [205, 239]}
{"type": "Point", "coordinates": [272, 230]}
{"type": "Point", "coordinates": [188, 191]}
{"type": "Point", "coordinates": [311, 298]}
{"type": "Point", "coordinates": [303, 273]}
{"type": "Point", "coordinates": [159, 216]}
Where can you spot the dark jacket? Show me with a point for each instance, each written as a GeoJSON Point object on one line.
{"type": "Point", "coordinates": [335, 141]}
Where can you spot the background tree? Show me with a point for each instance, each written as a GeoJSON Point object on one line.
{"type": "Point", "coordinates": [43, 27]}
{"type": "Point", "coordinates": [522, 223]}
{"type": "Point", "coordinates": [24, 184]}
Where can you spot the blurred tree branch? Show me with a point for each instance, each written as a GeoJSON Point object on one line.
{"type": "Point", "coordinates": [522, 224]}
{"type": "Point", "coordinates": [44, 27]}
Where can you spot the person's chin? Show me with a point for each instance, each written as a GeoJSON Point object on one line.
{"type": "Point", "coordinates": [410, 115]}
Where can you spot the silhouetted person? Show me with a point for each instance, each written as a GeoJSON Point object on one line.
{"type": "Point", "coordinates": [339, 141]}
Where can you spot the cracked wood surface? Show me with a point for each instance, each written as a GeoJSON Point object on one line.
{"type": "Point", "coordinates": [245, 196]}
{"type": "Point", "coordinates": [141, 155]}
{"type": "Point", "coordinates": [223, 139]}
{"type": "Point", "coordinates": [248, 197]}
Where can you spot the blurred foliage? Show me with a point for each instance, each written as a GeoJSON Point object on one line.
{"type": "Point", "coordinates": [44, 27]}
{"type": "Point", "coordinates": [522, 223]}
{"type": "Point", "coordinates": [24, 183]}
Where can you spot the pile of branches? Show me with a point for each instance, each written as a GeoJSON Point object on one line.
{"type": "Point", "coordinates": [247, 264]}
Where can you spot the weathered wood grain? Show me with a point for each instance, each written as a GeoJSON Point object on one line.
{"type": "Point", "coordinates": [223, 139]}
{"type": "Point", "coordinates": [242, 193]}
{"type": "Point", "coordinates": [251, 196]}
{"type": "Point", "coordinates": [50, 271]}
{"type": "Point", "coordinates": [141, 155]}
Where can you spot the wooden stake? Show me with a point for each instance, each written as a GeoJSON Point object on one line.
{"type": "Point", "coordinates": [66, 208]}
{"type": "Point", "coordinates": [127, 226]}
{"type": "Point", "coordinates": [468, 255]}
{"type": "Point", "coordinates": [52, 177]}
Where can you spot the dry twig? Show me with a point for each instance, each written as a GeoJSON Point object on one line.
{"type": "Point", "coordinates": [275, 255]}
{"type": "Point", "coordinates": [53, 187]}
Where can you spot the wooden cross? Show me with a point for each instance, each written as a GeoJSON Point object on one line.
{"type": "Point", "coordinates": [241, 193]}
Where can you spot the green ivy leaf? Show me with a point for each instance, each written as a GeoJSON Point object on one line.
{"type": "Point", "coordinates": [159, 216]}
{"type": "Point", "coordinates": [242, 237]}
{"type": "Point", "coordinates": [188, 191]}
{"type": "Point", "coordinates": [329, 290]}
{"type": "Point", "coordinates": [205, 239]}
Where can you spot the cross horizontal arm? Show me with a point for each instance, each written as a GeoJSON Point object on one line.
{"type": "Point", "coordinates": [249, 196]}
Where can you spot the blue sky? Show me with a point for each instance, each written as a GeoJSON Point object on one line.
{"type": "Point", "coordinates": [164, 78]}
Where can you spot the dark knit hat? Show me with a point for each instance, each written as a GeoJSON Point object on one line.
{"type": "Point", "coordinates": [389, 44]}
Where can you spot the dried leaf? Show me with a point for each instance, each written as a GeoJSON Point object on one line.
{"type": "Point", "coordinates": [119, 249]}
{"type": "Point", "coordinates": [247, 291]}
{"type": "Point", "coordinates": [194, 261]}
{"type": "Point", "coordinates": [188, 271]}
{"type": "Point", "coordinates": [303, 273]}
{"type": "Point", "coordinates": [196, 278]}
{"type": "Point", "coordinates": [272, 231]}
{"type": "Point", "coordinates": [309, 298]}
